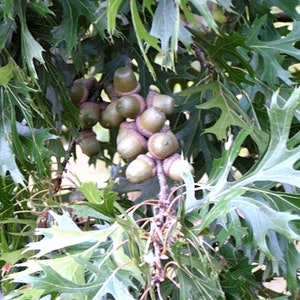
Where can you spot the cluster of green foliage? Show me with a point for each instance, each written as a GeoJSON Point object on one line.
{"type": "Point", "coordinates": [231, 66]}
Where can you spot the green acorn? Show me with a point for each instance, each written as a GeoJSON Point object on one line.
{"type": "Point", "coordinates": [89, 145]}
{"type": "Point", "coordinates": [110, 117]}
{"type": "Point", "coordinates": [150, 121]}
{"type": "Point", "coordinates": [89, 114]}
{"type": "Point", "coordinates": [132, 144]}
{"type": "Point", "coordinates": [165, 103]}
{"type": "Point", "coordinates": [141, 169]}
{"type": "Point", "coordinates": [161, 145]}
{"type": "Point", "coordinates": [125, 82]}
{"type": "Point", "coordinates": [130, 106]}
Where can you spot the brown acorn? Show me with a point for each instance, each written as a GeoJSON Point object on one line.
{"type": "Point", "coordinates": [165, 103]}
{"type": "Point", "coordinates": [130, 106]}
{"type": "Point", "coordinates": [174, 165]}
{"type": "Point", "coordinates": [141, 169]}
{"type": "Point", "coordinates": [150, 121]}
{"type": "Point", "coordinates": [110, 117]}
{"type": "Point", "coordinates": [89, 114]}
{"type": "Point", "coordinates": [89, 145]}
{"type": "Point", "coordinates": [161, 145]}
{"type": "Point", "coordinates": [132, 144]}
{"type": "Point", "coordinates": [125, 82]}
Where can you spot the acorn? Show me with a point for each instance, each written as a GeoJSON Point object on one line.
{"type": "Point", "coordinates": [140, 169]}
{"type": "Point", "coordinates": [110, 116]}
{"type": "Point", "coordinates": [89, 114]}
{"type": "Point", "coordinates": [161, 145]}
{"type": "Point", "coordinates": [124, 127]}
{"type": "Point", "coordinates": [150, 121]}
{"type": "Point", "coordinates": [125, 82]}
{"type": "Point", "coordinates": [78, 91]}
{"type": "Point", "coordinates": [174, 165]}
{"type": "Point", "coordinates": [130, 106]}
{"type": "Point", "coordinates": [111, 92]}
{"type": "Point", "coordinates": [89, 145]}
{"type": "Point", "coordinates": [132, 144]}
{"type": "Point", "coordinates": [165, 103]}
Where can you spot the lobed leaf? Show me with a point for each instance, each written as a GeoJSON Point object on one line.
{"type": "Point", "coordinates": [278, 162]}
{"type": "Point", "coordinates": [272, 52]}
{"type": "Point", "coordinates": [68, 30]}
{"type": "Point", "coordinates": [165, 26]}
{"type": "Point", "coordinates": [262, 219]}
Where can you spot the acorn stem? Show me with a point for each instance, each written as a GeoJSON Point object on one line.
{"type": "Point", "coordinates": [164, 188]}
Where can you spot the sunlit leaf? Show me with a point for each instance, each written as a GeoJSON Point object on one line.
{"type": "Point", "coordinates": [101, 200]}
{"type": "Point", "coordinates": [6, 74]}
{"type": "Point", "coordinates": [278, 162]}
{"type": "Point", "coordinates": [57, 238]}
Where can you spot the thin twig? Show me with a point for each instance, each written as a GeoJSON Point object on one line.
{"type": "Point", "coordinates": [205, 62]}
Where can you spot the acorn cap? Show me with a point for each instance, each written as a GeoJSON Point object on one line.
{"type": "Point", "coordinates": [123, 130]}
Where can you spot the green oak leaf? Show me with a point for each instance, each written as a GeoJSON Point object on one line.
{"type": "Point", "coordinates": [7, 158]}
{"type": "Point", "coordinates": [262, 219]}
{"type": "Point", "coordinates": [7, 27]}
{"type": "Point", "coordinates": [278, 162]}
{"type": "Point", "coordinates": [6, 73]}
{"type": "Point", "coordinates": [231, 113]}
{"type": "Point", "coordinates": [68, 29]}
{"type": "Point", "coordinates": [101, 200]}
{"type": "Point", "coordinates": [57, 238]}
{"type": "Point", "coordinates": [203, 9]}
{"type": "Point", "coordinates": [288, 7]}
{"type": "Point", "coordinates": [272, 52]}
{"type": "Point", "coordinates": [112, 11]}
{"type": "Point", "coordinates": [142, 35]}
{"type": "Point", "coordinates": [104, 279]}
{"type": "Point", "coordinates": [31, 49]}
{"type": "Point", "coordinates": [228, 53]}
{"type": "Point", "coordinates": [25, 294]}
{"type": "Point", "coordinates": [165, 26]}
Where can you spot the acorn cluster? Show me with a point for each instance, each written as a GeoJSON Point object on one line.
{"type": "Point", "coordinates": [143, 135]}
